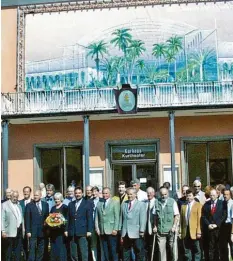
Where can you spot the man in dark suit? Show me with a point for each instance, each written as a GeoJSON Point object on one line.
{"type": "Point", "coordinates": [80, 223]}
{"type": "Point", "coordinates": [35, 214]}
{"type": "Point", "coordinates": [23, 202]}
{"type": "Point", "coordinates": [214, 215]}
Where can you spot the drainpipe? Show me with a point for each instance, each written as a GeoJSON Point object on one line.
{"type": "Point", "coordinates": [172, 148]}
{"type": "Point", "coordinates": [86, 151]}
{"type": "Point", "coordinates": [5, 152]}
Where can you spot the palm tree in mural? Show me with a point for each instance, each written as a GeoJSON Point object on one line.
{"type": "Point", "coordinates": [97, 51]}
{"type": "Point", "coordinates": [140, 64]}
{"type": "Point", "coordinates": [135, 50]}
{"type": "Point", "coordinates": [202, 57]}
{"type": "Point", "coordinates": [122, 39]}
{"type": "Point", "coordinates": [174, 45]}
{"type": "Point", "coordinates": [153, 74]}
{"type": "Point", "coordinates": [110, 69]}
{"type": "Point", "coordinates": [170, 58]}
{"type": "Point", "coordinates": [159, 51]}
{"type": "Point", "coordinates": [225, 69]}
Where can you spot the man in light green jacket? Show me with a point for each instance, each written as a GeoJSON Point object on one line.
{"type": "Point", "coordinates": [107, 224]}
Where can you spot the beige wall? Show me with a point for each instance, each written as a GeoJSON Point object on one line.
{"type": "Point", "coordinates": [23, 137]}
{"type": "Point", "coordinates": [9, 49]}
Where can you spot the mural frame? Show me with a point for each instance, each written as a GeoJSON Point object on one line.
{"type": "Point", "coordinates": [22, 11]}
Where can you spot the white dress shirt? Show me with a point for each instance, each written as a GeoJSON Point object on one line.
{"type": "Point", "coordinates": [189, 205]}
{"type": "Point", "coordinates": [141, 195]}
{"type": "Point", "coordinates": [26, 201]}
{"type": "Point", "coordinates": [229, 211]}
{"type": "Point", "coordinates": [77, 204]}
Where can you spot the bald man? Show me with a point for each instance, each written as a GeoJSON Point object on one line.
{"type": "Point", "coordinates": [12, 224]}
{"type": "Point", "coordinates": [8, 193]}
{"type": "Point", "coordinates": [35, 214]}
{"type": "Point", "coordinates": [199, 194]}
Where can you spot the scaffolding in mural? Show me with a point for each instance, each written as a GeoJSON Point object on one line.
{"type": "Point", "coordinates": [196, 58]}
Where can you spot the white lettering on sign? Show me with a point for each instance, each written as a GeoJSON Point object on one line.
{"type": "Point", "coordinates": [133, 151]}
{"type": "Point", "coordinates": [133, 155]}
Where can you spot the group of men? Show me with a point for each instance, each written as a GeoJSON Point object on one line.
{"type": "Point", "coordinates": [134, 225]}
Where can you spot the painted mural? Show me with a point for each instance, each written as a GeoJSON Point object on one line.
{"type": "Point", "coordinates": [143, 45]}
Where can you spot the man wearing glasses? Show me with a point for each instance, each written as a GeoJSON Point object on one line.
{"type": "Point", "coordinates": [199, 195]}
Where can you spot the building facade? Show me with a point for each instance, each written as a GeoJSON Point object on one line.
{"type": "Point", "coordinates": [56, 134]}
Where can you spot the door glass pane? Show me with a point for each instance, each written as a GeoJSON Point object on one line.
{"type": "Point", "coordinates": [74, 166]}
{"type": "Point", "coordinates": [122, 172]}
{"type": "Point", "coordinates": [220, 162]}
{"type": "Point", "coordinates": [51, 167]}
{"type": "Point", "coordinates": [147, 175]}
{"type": "Point", "coordinates": [196, 159]}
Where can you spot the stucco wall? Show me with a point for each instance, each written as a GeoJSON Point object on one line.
{"type": "Point", "coordinates": [23, 137]}
{"type": "Point", "coordinates": [9, 49]}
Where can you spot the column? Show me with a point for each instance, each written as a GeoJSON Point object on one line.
{"type": "Point", "coordinates": [5, 152]}
{"type": "Point", "coordinates": [172, 148]}
{"type": "Point", "coordinates": [86, 150]}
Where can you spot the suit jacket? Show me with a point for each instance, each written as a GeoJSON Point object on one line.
{"type": "Point", "coordinates": [9, 219]}
{"type": "Point", "coordinates": [150, 222]}
{"type": "Point", "coordinates": [132, 221]}
{"type": "Point", "coordinates": [81, 221]}
{"type": "Point", "coordinates": [194, 220]}
{"type": "Point", "coordinates": [34, 221]}
{"type": "Point", "coordinates": [107, 220]}
{"type": "Point", "coordinates": [22, 204]}
{"type": "Point", "coordinates": [219, 216]}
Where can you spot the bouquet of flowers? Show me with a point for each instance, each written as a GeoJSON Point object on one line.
{"type": "Point", "coordinates": [55, 220]}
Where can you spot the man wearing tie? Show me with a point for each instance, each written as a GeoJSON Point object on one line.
{"type": "Point", "coordinates": [133, 225]}
{"type": "Point", "coordinates": [23, 202]}
{"type": "Point", "coordinates": [107, 225]}
{"type": "Point", "coordinates": [149, 236]}
{"type": "Point", "coordinates": [80, 223]}
{"type": "Point", "coordinates": [11, 227]}
{"type": "Point", "coordinates": [35, 214]}
{"type": "Point", "coordinates": [190, 227]}
{"type": "Point", "coordinates": [214, 215]}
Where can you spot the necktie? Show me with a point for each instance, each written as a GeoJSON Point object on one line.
{"type": "Point", "coordinates": [213, 209]}
{"type": "Point", "coordinates": [77, 204]}
{"type": "Point", "coordinates": [38, 207]}
{"type": "Point", "coordinates": [188, 213]}
{"type": "Point", "coordinates": [104, 206]}
{"type": "Point", "coordinates": [130, 205]}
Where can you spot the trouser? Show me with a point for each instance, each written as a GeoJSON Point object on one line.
{"type": "Point", "coordinates": [109, 246]}
{"type": "Point", "coordinates": [137, 244]}
{"type": "Point", "coordinates": [149, 240]}
{"type": "Point", "coordinates": [36, 249]}
{"type": "Point", "coordinates": [12, 246]}
{"type": "Point", "coordinates": [192, 249]}
{"type": "Point", "coordinates": [165, 246]}
{"type": "Point", "coordinates": [225, 240]}
{"type": "Point", "coordinates": [214, 253]}
{"type": "Point", "coordinates": [25, 247]}
{"type": "Point", "coordinates": [82, 248]}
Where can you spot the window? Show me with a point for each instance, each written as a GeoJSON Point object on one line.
{"type": "Point", "coordinates": [210, 160]}
{"type": "Point", "coordinates": [60, 166]}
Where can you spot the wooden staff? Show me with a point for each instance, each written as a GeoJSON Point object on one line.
{"type": "Point", "coordinates": [153, 248]}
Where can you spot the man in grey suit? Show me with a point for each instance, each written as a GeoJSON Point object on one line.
{"type": "Point", "coordinates": [107, 224]}
{"type": "Point", "coordinates": [12, 225]}
{"type": "Point", "coordinates": [133, 225]}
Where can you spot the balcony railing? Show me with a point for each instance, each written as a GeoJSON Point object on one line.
{"type": "Point", "coordinates": [91, 99]}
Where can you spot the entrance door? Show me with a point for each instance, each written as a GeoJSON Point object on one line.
{"type": "Point", "coordinates": [146, 173]}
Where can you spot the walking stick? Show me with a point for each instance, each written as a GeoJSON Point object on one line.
{"type": "Point", "coordinates": [153, 248]}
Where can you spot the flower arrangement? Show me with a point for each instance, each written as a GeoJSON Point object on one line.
{"type": "Point", "coordinates": [55, 220]}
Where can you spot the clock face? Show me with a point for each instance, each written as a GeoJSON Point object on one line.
{"type": "Point", "coordinates": [126, 101]}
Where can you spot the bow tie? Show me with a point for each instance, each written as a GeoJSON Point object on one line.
{"type": "Point", "coordinates": [69, 198]}
{"type": "Point", "coordinates": [49, 199]}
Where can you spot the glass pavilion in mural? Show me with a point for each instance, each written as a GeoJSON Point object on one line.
{"type": "Point", "coordinates": [146, 48]}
